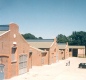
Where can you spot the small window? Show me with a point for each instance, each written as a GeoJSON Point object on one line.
{"type": "Point", "coordinates": [43, 54]}
{"type": "Point", "coordinates": [55, 50]}
{"type": "Point", "coordinates": [13, 50]}
{"type": "Point", "coordinates": [13, 53]}
{"type": "Point", "coordinates": [30, 54]}
{"type": "Point", "coordinates": [61, 52]}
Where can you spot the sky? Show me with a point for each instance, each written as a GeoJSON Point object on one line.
{"type": "Point", "coordinates": [45, 18]}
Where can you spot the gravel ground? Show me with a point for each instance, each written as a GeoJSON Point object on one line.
{"type": "Point", "coordinates": [56, 71]}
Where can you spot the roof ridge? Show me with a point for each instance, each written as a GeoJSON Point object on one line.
{"type": "Point", "coordinates": [4, 32]}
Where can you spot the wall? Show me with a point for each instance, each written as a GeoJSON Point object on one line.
{"type": "Point", "coordinates": [81, 52]}
{"type": "Point", "coordinates": [35, 59]}
{"type": "Point", "coordinates": [6, 41]}
{"type": "Point", "coordinates": [53, 52]}
{"type": "Point", "coordinates": [45, 58]}
{"type": "Point", "coordinates": [70, 54]}
{"type": "Point", "coordinates": [66, 52]}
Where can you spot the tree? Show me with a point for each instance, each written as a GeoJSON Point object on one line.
{"type": "Point", "coordinates": [61, 38]}
{"type": "Point", "coordinates": [77, 38]}
{"type": "Point", "coordinates": [29, 36]}
{"type": "Point", "coordinates": [40, 38]}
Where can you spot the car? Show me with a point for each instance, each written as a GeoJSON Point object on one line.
{"type": "Point", "coordinates": [82, 65]}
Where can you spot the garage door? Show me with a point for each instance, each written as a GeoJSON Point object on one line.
{"type": "Point", "coordinates": [22, 64]}
{"type": "Point", "coordinates": [1, 71]}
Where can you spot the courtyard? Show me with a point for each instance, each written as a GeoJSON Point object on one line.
{"type": "Point", "coordinates": [56, 71]}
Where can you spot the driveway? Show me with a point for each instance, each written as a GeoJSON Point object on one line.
{"type": "Point", "coordinates": [56, 71]}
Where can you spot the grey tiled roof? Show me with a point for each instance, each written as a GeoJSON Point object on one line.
{"type": "Point", "coordinates": [40, 40]}
{"type": "Point", "coordinates": [77, 47]}
{"type": "Point", "coordinates": [4, 27]}
{"type": "Point", "coordinates": [62, 45]}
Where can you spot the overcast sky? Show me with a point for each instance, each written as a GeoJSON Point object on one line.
{"type": "Point", "coordinates": [45, 18]}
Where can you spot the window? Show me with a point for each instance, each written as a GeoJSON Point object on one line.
{"type": "Point", "coordinates": [13, 53]}
{"type": "Point", "coordinates": [61, 52]}
{"type": "Point", "coordinates": [44, 54]}
{"type": "Point", "coordinates": [1, 68]}
{"type": "Point", "coordinates": [55, 50]}
{"type": "Point", "coordinates": [13, 50]}
{"type": "Point", "coordinates": [30, 54]}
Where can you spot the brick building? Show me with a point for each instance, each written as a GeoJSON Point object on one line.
{"type": "Point", "coordinates": [16, 55]}
{"type": "Point", "coordinates": [37, 57]}
{"type": "Point", "coordinates": [49, 45]}
{"type": "Point", "coordinates": [63, 50]}
{"type": "Point", "coordinates": [77, 51]}
{"type": "Point", "coordinates": [13, 52]}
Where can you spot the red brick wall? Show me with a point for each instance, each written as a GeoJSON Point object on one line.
{"type": "Point", "coordinates": [22, 45]}
{"type": "Point", "coordinates": [36, 57]}
{"type": "Point", "coordinates": [53, 52]}
{"type": "Point", "coordinates": [4, 60]}
{"type": "Point", "coordinates": [45, 58]}
{"type": "Point", "coordinates": [66, 51]}
{"type": "Point", "coordinates": [61, 54]}
{"type": "Point", "coordinates": [13, 69]}
{"type": "Point", "coordinates": [6, 44]}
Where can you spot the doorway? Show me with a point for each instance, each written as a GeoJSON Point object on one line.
{"type": "Point", "coordinates": [1, 71]}
{"type": "Point", "coordinates": [75, 53]}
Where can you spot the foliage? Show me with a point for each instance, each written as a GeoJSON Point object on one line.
{"type": "Point", "coordinates": [61, 38]}
{"type": "Point", "coordinates": [77, 38]}
{"type": "Point", "coordinates": [30, 36]}
{"type": "Point", "coordinates": [40, 38]}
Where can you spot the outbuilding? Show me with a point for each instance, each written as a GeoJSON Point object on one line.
{"type": "Point", "coordinates": [63, 51]}
{"type": "Point", "coordinates": [77, 51]}
{"type": "Point", "coordinates": [37, 57]}
{"type": "Point", "coordinates": [49, 45]}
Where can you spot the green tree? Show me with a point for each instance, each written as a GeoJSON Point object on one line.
{"type": "Point", "coordinates": [40, 38]}
{"type": "Point", "coordinates": [77, 38]}
{"type": "Point", "coordinates": [29, 36]}
{"type": "Point", "coordinates": [61, 38]}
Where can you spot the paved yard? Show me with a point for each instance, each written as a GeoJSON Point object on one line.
{"type": "Point", "coordinates": [56, 71]}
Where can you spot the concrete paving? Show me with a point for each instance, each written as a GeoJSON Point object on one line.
{"type": "Point", "coordinates": [56, 71]}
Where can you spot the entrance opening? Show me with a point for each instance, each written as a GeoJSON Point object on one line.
{"type": "Point", "coordinates": [1, 71]}
{"type": "Point", "coordinates": [75, 53]}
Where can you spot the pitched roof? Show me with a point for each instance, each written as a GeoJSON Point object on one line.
{"type": "Point", "coordinates": [77, 47]}
{"type": "Point", "coordinates": [3, 29]}
{"type": "Point", "coordinates": [62, 45]}
{"type": "Point", "coordinates": [41, 43]}
{"type": "Point", "coordinates": [42, 51]}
